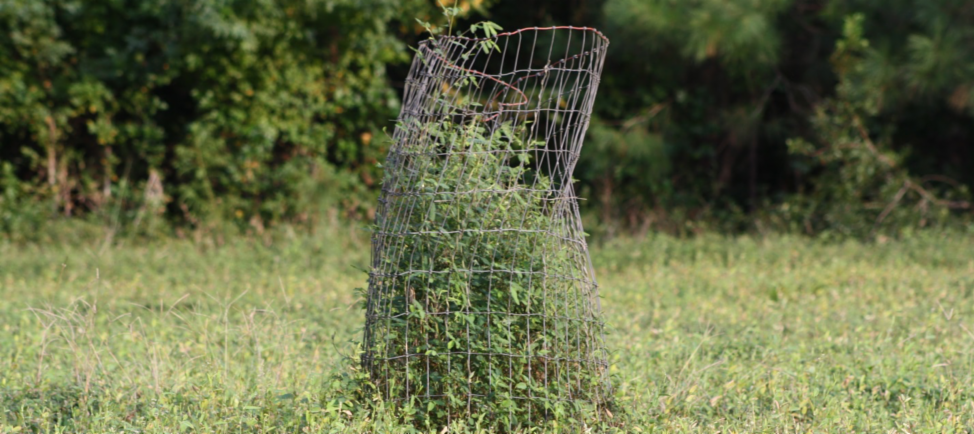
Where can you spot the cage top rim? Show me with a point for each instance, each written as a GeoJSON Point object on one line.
{"type": "Point", "coordinates": [593, 30]}
{"type": "Point", "coordinates": [598, 50]}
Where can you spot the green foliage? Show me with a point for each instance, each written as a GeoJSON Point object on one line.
{"type": "Point", "coordinates": [862, 185]}
{"type": "Point", "coordinates": [722, 87]}
{"type": "Point", "coordinates": [251, 112]}
{"type": "Point", "coordinates": [246, 111]}
{"type": "Point", "coordinates": [738, 32]}
{"type": "Point", "coordinates": [499, 338]}
{"type": "Point", "coordinates": [627, 162]}
{"type": "Point", "coordinates": [694, 108]}
{"type": "Point", "coordinates": [18, 213]}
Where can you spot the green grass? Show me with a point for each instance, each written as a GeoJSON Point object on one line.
{"type": "Point", "coordinates": [711, 334]}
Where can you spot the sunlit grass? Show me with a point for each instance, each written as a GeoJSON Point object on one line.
{"type": "Point", "coordinates": [711, 334]}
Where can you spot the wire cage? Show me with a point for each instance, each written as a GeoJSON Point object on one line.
{"type": "Point", "coordinates": [482, 302]}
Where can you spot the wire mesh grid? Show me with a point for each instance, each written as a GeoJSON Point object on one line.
{"type": "Point", "coordinates": [482, 301]}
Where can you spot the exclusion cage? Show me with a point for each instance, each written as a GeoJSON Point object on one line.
{"type": "Point", "coordinates": [482, 302]}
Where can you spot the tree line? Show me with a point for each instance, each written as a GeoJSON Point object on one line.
{"type": "Point", "coordinates": [850, 117]}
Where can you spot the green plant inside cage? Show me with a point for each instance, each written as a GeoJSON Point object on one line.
{"type": "Point", "coordinates": [479, 313]}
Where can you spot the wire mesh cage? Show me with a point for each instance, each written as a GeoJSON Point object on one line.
{"type": "Point", "coordinates": [482, 302]}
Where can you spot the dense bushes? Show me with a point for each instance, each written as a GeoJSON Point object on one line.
{"type": "Point", "coordinates": [248, 111]}
{"type": "Point", "coordinates": [700, 121]}
{"type": "Point", "coordinates": [729, 112]}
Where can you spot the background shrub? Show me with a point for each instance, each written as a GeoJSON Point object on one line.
{"type": "Point", "coordinates": [711, 113]}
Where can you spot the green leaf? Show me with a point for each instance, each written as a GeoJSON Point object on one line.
{"type": "Point", "coordinates": [515, 288]}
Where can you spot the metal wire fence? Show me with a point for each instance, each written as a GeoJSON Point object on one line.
{"type": "Point", "coordinates": [482, 302]}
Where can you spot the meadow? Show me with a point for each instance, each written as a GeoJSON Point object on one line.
{"type": "Point", "coordinates": [774, 334]}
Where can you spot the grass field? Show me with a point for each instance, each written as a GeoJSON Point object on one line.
{"type": "Point", "coordinates": [711, 334]}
